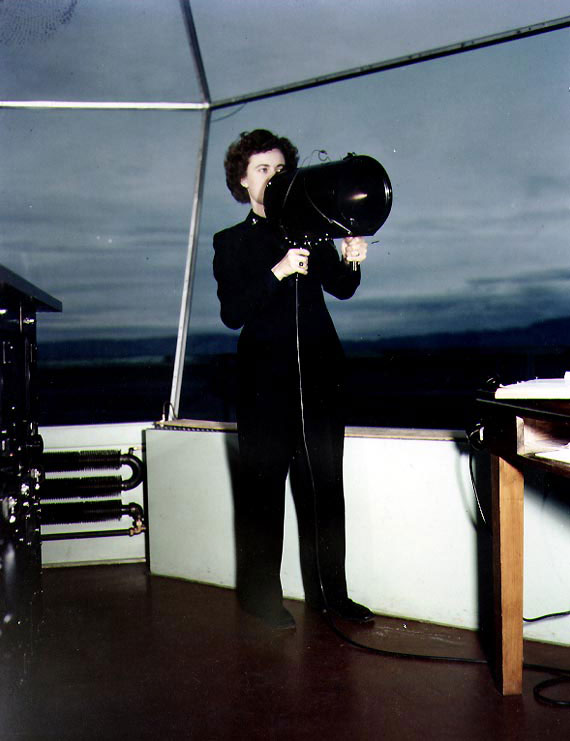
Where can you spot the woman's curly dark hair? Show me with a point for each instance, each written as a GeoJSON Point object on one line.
{"type": "Point", "coordinates": [253, 142]}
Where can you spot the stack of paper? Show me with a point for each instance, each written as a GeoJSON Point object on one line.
{"type": "Point", "coordinates": [538, 388]}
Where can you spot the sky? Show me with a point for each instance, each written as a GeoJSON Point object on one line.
{"type": "Point", "coordinates": [95, 206]}
{"type": "Point", "coordinates": [477, 151]}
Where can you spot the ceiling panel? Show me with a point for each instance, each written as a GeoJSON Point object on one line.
{"type": "Point", "coordinates": [138, 50]}
{"type": "Point", "coordinates": [95, 50]}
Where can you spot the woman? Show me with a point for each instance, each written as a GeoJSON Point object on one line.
{"type": "Point", "coordinates": [289, 410]}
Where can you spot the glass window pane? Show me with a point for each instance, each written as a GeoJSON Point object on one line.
{"type": "Point", "coordinates": [254, 45]}
{"type": "Point", "coordinates": [470, 275]}
{"type": "Point", "coordinates": [101, 50]}
{"type": "Point", "coordinates": [95, 210]}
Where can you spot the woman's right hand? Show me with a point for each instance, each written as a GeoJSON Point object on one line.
{"type": "Point", "coordinates": [295, 261]}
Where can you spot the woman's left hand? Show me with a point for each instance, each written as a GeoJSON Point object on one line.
{"type": "Point", "coordinates": [354, 249]}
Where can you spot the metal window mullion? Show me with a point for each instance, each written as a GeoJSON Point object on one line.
{"type": "Point", "coordinates": [101, 105]}
{"type": "Point", "coordinates": [189, 269]}
{"type": "Point", "coordinates": [186, 301]}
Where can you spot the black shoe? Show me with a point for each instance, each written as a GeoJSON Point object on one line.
{"type": "Point", "coordinates": [349, 610]}
{"type": "Point", "coordinates": [282, 620]}
{"type": "Point", "coordinates": [279, 619]}
{"type": "Point", "coordinates": [345, 609]}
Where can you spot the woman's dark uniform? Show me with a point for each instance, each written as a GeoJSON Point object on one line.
{"type": "Point", "coordinates": [272, 412]}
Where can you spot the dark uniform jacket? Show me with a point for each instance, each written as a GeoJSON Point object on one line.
{"type": "Point", "coordinates": [267, 310]}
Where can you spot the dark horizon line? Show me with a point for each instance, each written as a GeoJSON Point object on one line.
{"type": "Point", "coordinates": [548, 335]}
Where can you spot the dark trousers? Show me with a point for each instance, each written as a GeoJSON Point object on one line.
{"type": "Point", "coordinates": [271, 445]}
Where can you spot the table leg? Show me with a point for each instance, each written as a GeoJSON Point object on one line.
{"type": "Point", "coordinates": [508, 537]}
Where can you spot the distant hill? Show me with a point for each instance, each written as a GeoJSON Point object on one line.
{"type": "Point", "coordinates": [550, 335]}
{"type": "Point", "coordinates": [106, 349]}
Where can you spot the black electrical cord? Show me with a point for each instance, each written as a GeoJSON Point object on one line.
{"type": "Point", "coordinates": [167, 409]}
{"type": "Point", "coordinates": [539, 689]}
{"type": "Point", "coordinates": [562, 675]}
{"type": "Point", "coordinates": [486, 525]}
{"type": "Point", "coordinates": [547, 616]}
{"type": "Point", "coordinates": [326, 612]}
{"type": "Point", "coordinates": [306, 446]}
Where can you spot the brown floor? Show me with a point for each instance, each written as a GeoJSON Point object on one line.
{"type": "Point", "coordinates": [122, 655]}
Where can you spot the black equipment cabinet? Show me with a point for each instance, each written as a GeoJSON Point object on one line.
{"type": "Point", "coordinates": [20, 468]}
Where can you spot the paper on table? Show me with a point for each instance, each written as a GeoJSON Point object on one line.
{"type": "Point", "coordinates": [562, 455]}
{"type": "Point", "coordinates": [538, 388]}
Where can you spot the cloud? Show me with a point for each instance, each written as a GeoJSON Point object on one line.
{"type": "Point", "coordinates": [537, 280]}
{"type": "Point", "coordinates": [488, 306]}
{"type": "Point", "coordinates": [95, 207]}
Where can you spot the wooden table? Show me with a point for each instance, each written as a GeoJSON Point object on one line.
{"type": "Point", "coordinates": [517, 433]}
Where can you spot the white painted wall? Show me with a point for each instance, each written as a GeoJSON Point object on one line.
{"type": "Point", "coordinates": [411, 538]}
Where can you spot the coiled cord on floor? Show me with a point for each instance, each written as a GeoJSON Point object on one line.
{"type": "Point", "coordinates": [326, 612]}
{"type": "Point", "coordinates": [562, 675]}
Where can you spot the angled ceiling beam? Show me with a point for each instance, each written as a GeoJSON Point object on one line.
{"type": "Point", "coordinates": [405, 61]}
{"type": "Point", "coordinates": [195, 49]}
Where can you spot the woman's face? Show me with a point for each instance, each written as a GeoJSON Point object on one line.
{"type": "Point", "coordinates": [260, 168]}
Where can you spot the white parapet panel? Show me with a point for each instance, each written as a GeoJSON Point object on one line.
{"type": "Point", "coordinates": [413, 546]}
{"type": "Point", "coordinates": [190, 508]}
{"type": "Point", "coordinates": [410, 514]}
